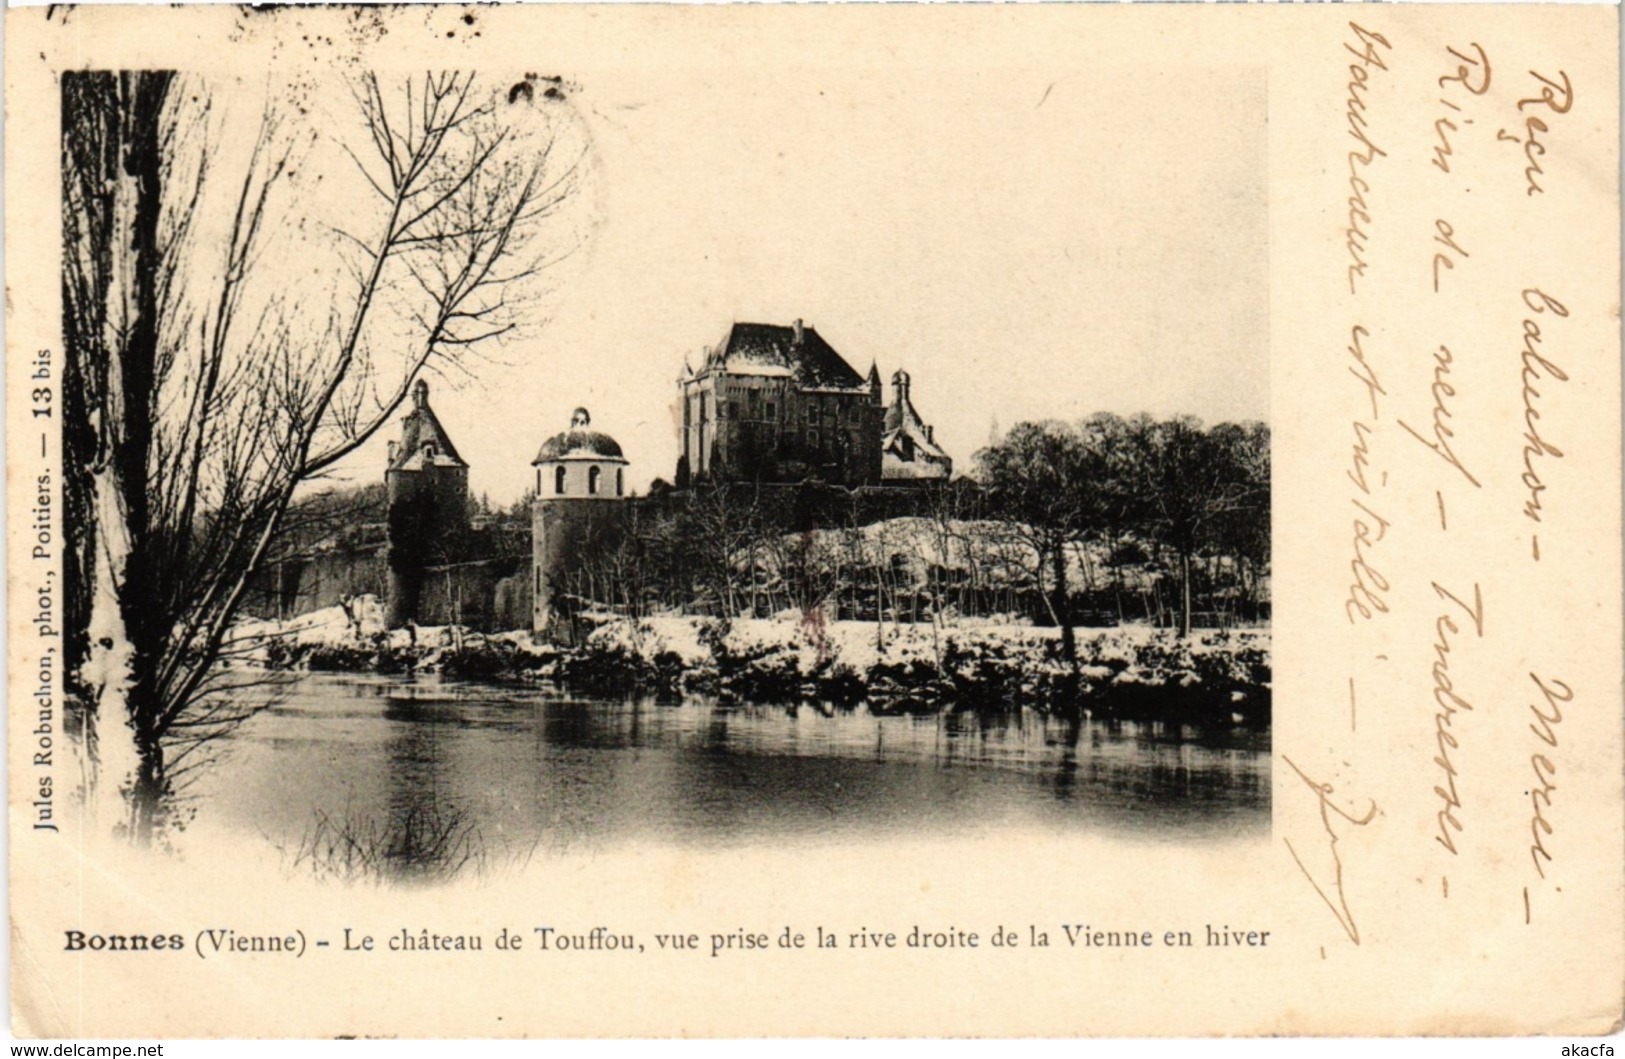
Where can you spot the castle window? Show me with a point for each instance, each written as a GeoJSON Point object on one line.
{"type": "Point", "coordinates": [428, 450]}
{"type": "Point", "coordinates": [620, 481]}
{"type": "Point", "coordinates": [592, 481]}
{"type": "Point", "coordinates": [812, 439]}
{"type": "Point", "coordinates": [772, 410]}
{"type": "Point", "coordinates": [558, 481]}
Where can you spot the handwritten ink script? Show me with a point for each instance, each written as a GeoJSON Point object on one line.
{"type": "Point", "coordinates": [1450, 387]}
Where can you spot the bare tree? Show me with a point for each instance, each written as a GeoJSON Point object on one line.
{"type": "Point", "coordinates": [1038, 480]}
{"type": "Point", "coordinates": [204, 395]}
{"type": "Point", "coordinates": [725, 522]}
{"type": "Point", "coordinates": [1194, 484]}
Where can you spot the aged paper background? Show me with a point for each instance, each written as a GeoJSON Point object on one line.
{"type": "Point", "coordinates": [1399, 583]}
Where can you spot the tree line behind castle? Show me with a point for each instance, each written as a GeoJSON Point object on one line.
{"type": "Point", "coordinates": [802, 486]}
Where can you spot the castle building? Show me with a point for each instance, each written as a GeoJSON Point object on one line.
{"type": "Point", "coordinates": [908, 446]}
{"type": "Point", "coordinates": [771, 405]}
{"type": "Point", "coordinates": [580, 477]}
{"type": "Point", "coordinates": [779, 404]}
{"type": "Point", "coordinates": [427, 487]}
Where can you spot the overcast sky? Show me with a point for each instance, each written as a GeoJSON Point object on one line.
{"type": "Point", "coordinates": [1027, 243]}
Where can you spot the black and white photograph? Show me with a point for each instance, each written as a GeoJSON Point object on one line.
{"type": "Point", "coordinates": [448, 485]}
{"type": "Point", "coordinates": [850, 520]}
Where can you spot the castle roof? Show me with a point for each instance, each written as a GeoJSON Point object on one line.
{"type": "Point", "coordinates": [903, 432]}
{"type": "Point", "coordinates": [424, 441]}
{"type": "Point", "coordinates": [579, 443]}
{"type": "Point", "coordinates": [796, 351]}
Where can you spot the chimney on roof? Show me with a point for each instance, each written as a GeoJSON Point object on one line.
{"type": "Point", "coordinates": [931, 433]}
{"type": "Point", "coordinates": [394, 452]}
{"type": "Point", "coordinates": [797, 328]}
{"type": "Point", "coordinates": [420, 394]}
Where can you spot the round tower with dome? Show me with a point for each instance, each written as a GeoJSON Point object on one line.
{"type": "Point", "coordinates": [580, 474]}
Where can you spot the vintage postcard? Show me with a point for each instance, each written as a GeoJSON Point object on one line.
{"type": "Point", "coordinates": [814, 521]}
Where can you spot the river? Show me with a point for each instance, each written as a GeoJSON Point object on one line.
{"type": "Point", "coordinates": [523, 769]}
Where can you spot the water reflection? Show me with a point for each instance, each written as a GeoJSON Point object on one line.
{"type": "Point", "coordinates": [530, 768]}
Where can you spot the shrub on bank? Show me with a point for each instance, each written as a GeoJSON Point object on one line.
{"type": "Point", "coordinates": [1133, 673]}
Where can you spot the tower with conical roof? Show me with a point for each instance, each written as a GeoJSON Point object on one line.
{"type": "Point", "coordinates": [427, 485]}
{"type": "Point", "coordinates": [580, 479]}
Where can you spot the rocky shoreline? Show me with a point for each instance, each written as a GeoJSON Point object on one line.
{"type": "Point", "coordinates": [1212, 679]}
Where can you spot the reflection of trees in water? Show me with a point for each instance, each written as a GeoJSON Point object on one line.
{"type": "Point", "coordinates": [1135, 763]}
{"type": "Point", "coordinates": [730, 761]}
{"type": "Point", "coordinates": [589, 726]}
{"type": "Point", "coordinates": [416, 754]}
{"type": "Point", "coordinates": [1066, 763]}
{"type": "Point", "coordinates": [472, 778]}
{"type": "Point", "coordinates": [421, 835]}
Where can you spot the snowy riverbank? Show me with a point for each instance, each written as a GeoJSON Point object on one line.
{"type": "Point", "coordinates": [1133, 672]}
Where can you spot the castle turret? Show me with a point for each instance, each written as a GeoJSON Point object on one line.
{"type": "Point", "coordinates": [580, 474]}
{"type": "Point", "coordinates": [427, 485]}
{"type": "Point", "coordinates": [909, 449]}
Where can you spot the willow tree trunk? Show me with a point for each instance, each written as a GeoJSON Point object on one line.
{"type": "Point", "coordinates": [113, 168]}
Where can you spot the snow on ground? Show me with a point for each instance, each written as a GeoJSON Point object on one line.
{"type": "Point", "coordinates": [809, 645]}
{"type": "Point", "coordinates": [650, 637]}
{"type": "Point", "coordinates": [818, 645]}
